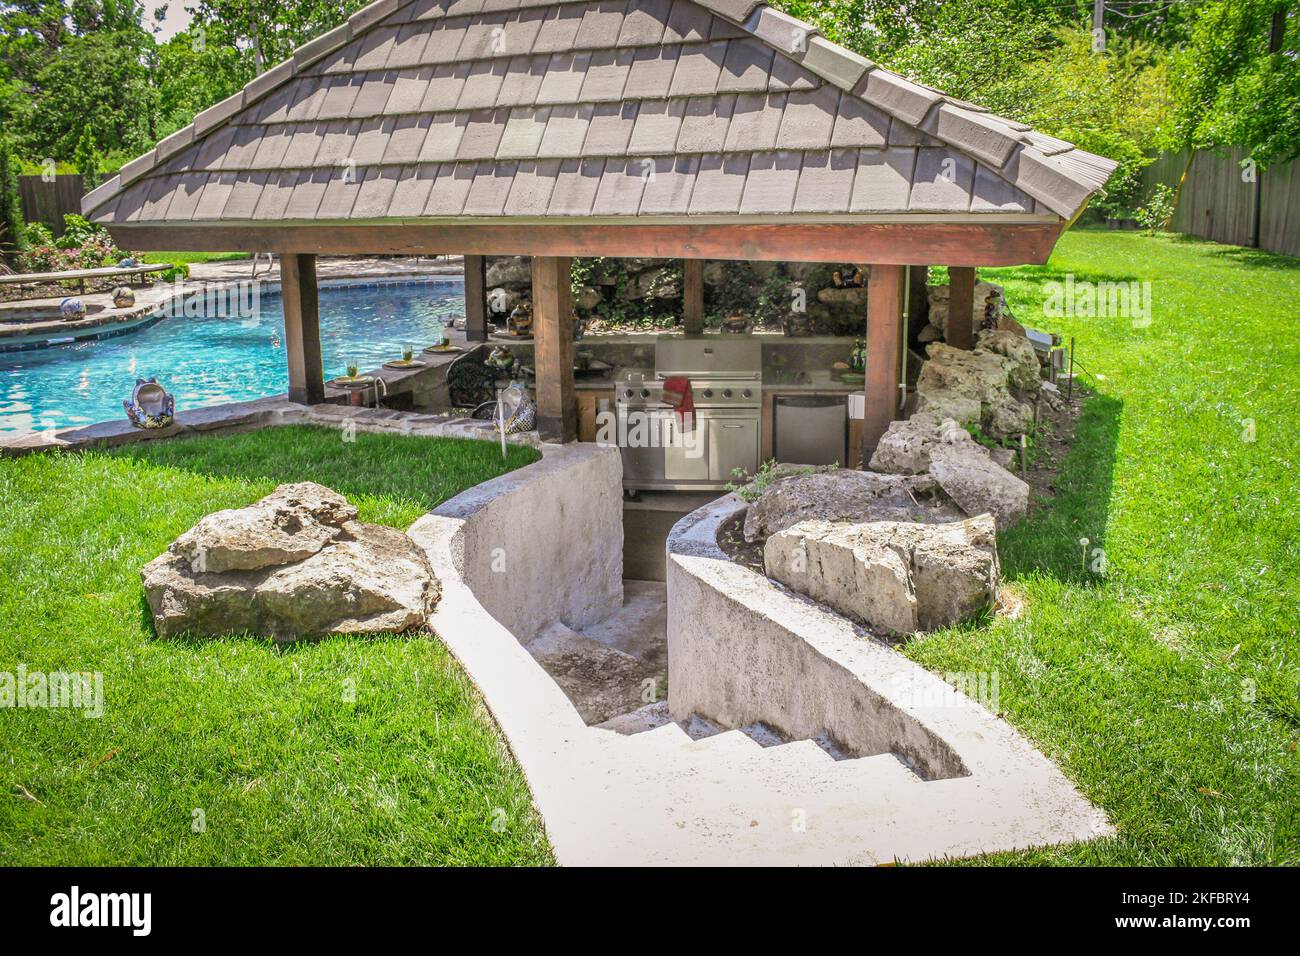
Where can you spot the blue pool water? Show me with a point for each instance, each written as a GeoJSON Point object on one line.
{"type": "Point", "coordinates": [210, 360]}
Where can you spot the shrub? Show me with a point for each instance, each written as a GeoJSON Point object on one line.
{"type": "Point", "coordinates": [83, 245]}
{"type": "Point", "coordinates": [38, 234]}
{"type": "Point", "coordinates": [1158, 210]}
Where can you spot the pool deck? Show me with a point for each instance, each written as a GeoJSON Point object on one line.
{"type": "Point", "coordinates": [256, 414]}
{"type": "Point", "coordinates": [236, 270]}
{"type": "Point", "coordinates": [25, 334]}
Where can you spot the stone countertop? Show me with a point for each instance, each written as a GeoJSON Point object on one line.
{"type": "Point", "coordinates": [808, 381]}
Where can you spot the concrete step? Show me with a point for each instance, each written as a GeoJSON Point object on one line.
{"type": "Point", "coordinates": [728, 744]}
{"type": "Point", "coordinates": [639, 721]}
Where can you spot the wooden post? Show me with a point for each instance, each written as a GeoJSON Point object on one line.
{"type": "Point", "coordinates": [302, 328]}
{"type": "Point", "coordinates": [476, 323]}
{"type": "Point", "coordinates": [961, 306]}
{"type": "Point", "coordinates": [557, 404]}
{"type": "Point", "coordinates": [693, 296]}
{"type": "Point", "coordinates": [884, 352]}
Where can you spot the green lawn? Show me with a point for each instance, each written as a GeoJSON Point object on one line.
{"type": "Point", "coordinates": [343, 751]}
{"type": "Point", "coordinates": [1169, 687]}
{"type": "Point", "coordinates": [179, 258]}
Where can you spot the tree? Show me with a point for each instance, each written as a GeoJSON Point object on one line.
{"type": "Point", "coordinates": [12, 226]}
{"type": "Point", "coordinates": [267, 31]}
{"type": "Point", "coordinates": [194, 70]}
{"type": "Point", "coordinates": [72, 63]}
{"type": "Point", "coordinates": [99, 81]}
{"type": "Point", "coordinates": [86, 159]}
{"type": "Point", "coordinates": [1237, 83]}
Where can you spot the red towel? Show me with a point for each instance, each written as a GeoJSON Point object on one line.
{"type": "Point", "coordinates": [678, 396]}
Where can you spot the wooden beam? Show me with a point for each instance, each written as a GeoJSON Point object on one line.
{"type": "Point", "coordinates": [557, 403]}
{"type": "Point", "coordinates": [693, 296]}
{"type": "Point", "coordinates": [884, 352]}
{"type": "Point", "coordinates": [896, 243]}
{"type": "Point", "coordinates": [476, 323]}
{"type": "Point", "coordinates": [961, 307]}
{"type": "Point", "coordinates": [300, 298]}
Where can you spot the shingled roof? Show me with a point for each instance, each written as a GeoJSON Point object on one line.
{"type": "Point", "coordinates": [661, 110]}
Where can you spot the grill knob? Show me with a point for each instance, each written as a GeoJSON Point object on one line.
{"type": "Point", "coordinates": [708, 393]}
{"type": "Point", "coordinates": [726, 393]}
{"type": "Point", "coordinates": [645, 393]}
{"type": "Point", "coordinates": [628, 393]}
{"type": "Point", "coordinates": [747, 394]}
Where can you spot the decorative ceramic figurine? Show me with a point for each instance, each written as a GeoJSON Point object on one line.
{"type": "Point", "coordinates": [520, 321]}
{"type": "Point", "coordinates": [71, 308]}
{"type": "Point", "coordinates": [858, 357]}
{"type": "Point", "coordinates": [992, 313]}
{"type": "Point", "coordinates": [501, 359]}
{"type": "Point", "coordinates": [150, 405]}
{"type": "Point", "coordinates": [123, 297]}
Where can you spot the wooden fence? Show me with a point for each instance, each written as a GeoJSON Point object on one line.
{"type": "Point", "coordinates": [48, 202]}
{"type": "Point", "coordinates": [1216, 203]}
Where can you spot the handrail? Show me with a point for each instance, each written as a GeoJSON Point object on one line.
{"type": "Point", "coordinates": [22, 278]}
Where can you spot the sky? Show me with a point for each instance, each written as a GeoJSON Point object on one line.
{"type": "Point", "coordinates": [178, 18]}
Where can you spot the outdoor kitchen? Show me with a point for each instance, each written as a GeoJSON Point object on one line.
{"type": "Point", "coordinates": [752, 397]}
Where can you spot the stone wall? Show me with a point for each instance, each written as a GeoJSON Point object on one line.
{"type": "Point", "coordinates": [741, 651]}
{"type": "Point", "coordinates": [543, 543]}
{"type": "Point", "coordinates": [802, 296]}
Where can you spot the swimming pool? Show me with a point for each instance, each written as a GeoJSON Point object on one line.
{"type": "Point", "coordinates": [210, 360]}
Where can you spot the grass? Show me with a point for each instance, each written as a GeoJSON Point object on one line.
{"type": "Point", "coordinates": [1168, 687]}
{"type": "Point", "coordinates": [344, 751]}
{"type": "Point", "coordinates": [179, 258]}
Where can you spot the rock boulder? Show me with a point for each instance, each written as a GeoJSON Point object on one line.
{"type": "Point", "coordinates": [905, 448]}
{"type": "Point", "coordinates": [291, 524]}
{"type": "Point", "coordinates": [976, 387]}
{"type": "Point", "coordinates": [253, 570]}
{"type": "Point", "coordinates": [970, 477]}
{"type": "Point", "coordinates": [895, 578]}
{"type": "Point", "coordinates": [846, 495]}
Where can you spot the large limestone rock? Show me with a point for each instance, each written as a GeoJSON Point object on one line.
{"type": "Point", "coordinates": [954, 382]}
{"type": "Point", "coordinates": [510, 271]}
{"type": "Point", "coordinates": [976, 374]}
{"type": "Point", "coordinates": [974, 481]}
{"type": "Point", "coordinates": [896, 578]}
{"type": "Point", "coordinates": [846, 495]}
{"type": "Point", "coordinates": [1025, 373]}
{"type": "Point", "coordinates": [291, 524]}
{"type": "Point", "coordinates": [254, 570]}
{"type": "Point", "coordinates": [905, 447]}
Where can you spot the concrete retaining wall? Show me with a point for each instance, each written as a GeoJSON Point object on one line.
{"type": "Point", "coordinates": [742, 650]}
{"type": "Point", "coordinates": [544, 543]}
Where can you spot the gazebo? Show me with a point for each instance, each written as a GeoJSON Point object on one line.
{"type": "Point", "coordinates": [691, 129]}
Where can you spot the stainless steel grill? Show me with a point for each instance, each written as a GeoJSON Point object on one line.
{"type": "Point", "coordinates": [659, 451]}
